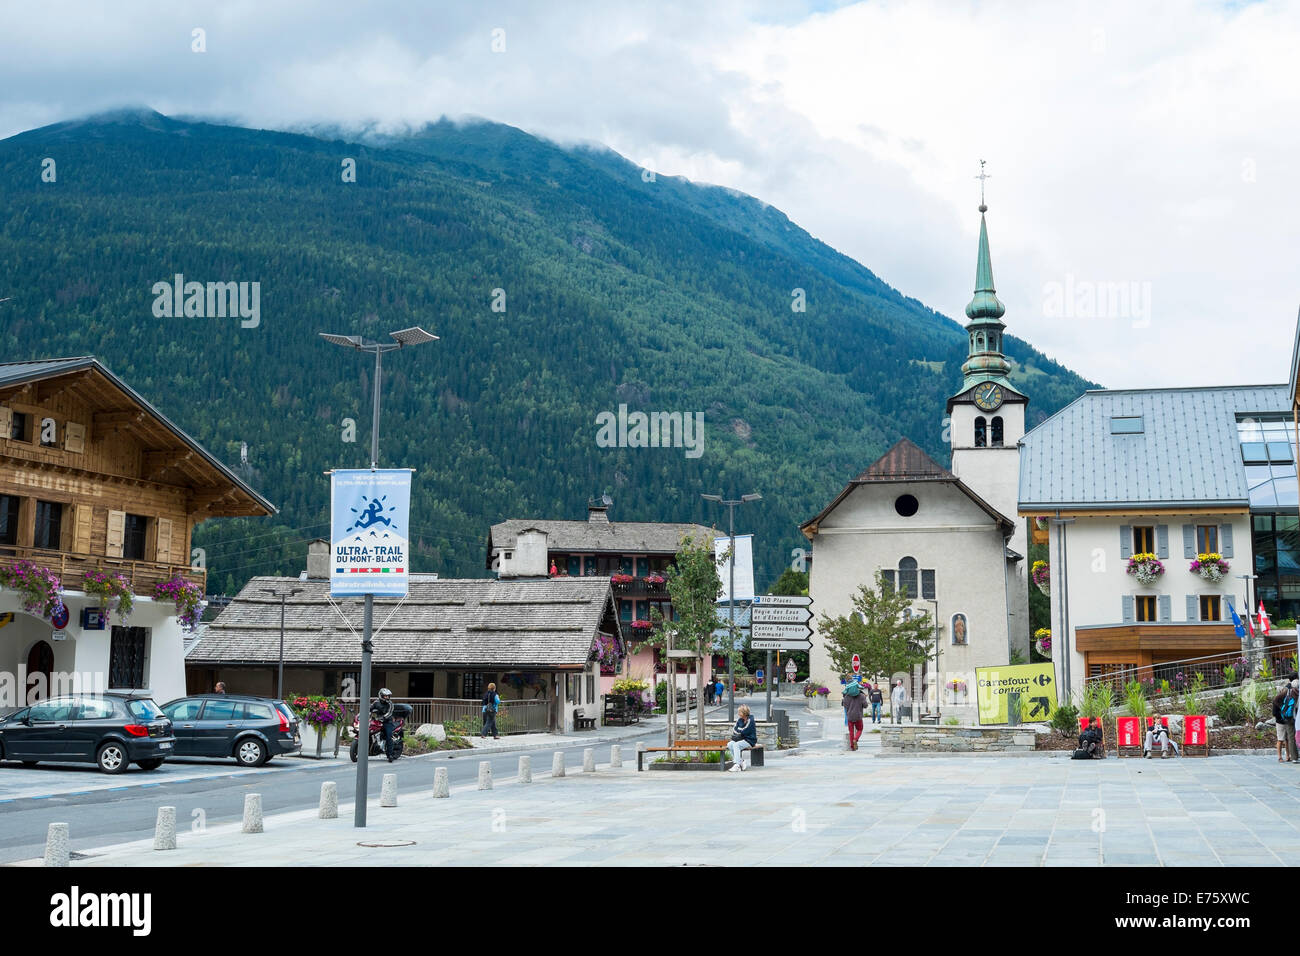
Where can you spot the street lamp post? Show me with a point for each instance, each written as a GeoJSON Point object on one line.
{"type": "Point", "coordinates": [731, 598]}
{"type": "Point", "coordinates": [938, 696]}
{"type": "Point", "coordinates": [282, 595]}
{"type": "Point", "coordinates": [401, 339]}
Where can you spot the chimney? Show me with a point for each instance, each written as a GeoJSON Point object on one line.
{"type": "Point", "coordinates": [598, 511]}
{"type": "Point", "coordinates": [527, 559]}
{"type": "Point", "coordinates": [318, 560]}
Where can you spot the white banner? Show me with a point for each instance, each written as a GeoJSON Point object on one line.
{"type": "Point", "coordinates": [744, 566]}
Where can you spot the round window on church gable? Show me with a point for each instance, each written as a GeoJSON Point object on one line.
{"type": "Point", "coordinates": [906, 505]}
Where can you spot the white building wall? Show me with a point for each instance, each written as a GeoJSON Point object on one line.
{"type": "Point", "coordinates": [1098, 576]}
{"type": "Point", "coordinates": [949, 534]}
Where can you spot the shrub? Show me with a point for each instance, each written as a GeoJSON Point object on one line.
{"type": "Point", "coordinates": [1231, 708]}
{"type": "Point", "coordinates": [951, 721]}
{"type": "Point", "coordinates": [1136, 698]}
{"type": "Point", "coordinates": [1065, 719]}
{"type": "Point", "coordinates": [1098, 700]}
{"type": "Point", "coordinates": [1192, 695]}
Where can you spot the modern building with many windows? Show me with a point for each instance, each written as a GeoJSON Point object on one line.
{"type": "Point", "coordinates": [1173, 473]}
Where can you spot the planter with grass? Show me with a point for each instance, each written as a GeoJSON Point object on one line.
{"type": "Point", "coordinates": [707, 761]}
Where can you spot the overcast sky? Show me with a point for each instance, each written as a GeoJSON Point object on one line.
{"type": "Point", "coordinates": [1143, 157]}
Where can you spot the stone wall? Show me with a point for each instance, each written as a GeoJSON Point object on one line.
{"type": "Point", "coordinates": [721, 730]}
{"type": "Point", "coordinates": [931, 739]}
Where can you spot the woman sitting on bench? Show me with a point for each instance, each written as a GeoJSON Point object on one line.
{"type": "Point", "coordinates": [744, 736]}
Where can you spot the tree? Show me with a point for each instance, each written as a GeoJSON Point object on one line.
{"type": "Point", "coordinates": [792, 583]}
{"type": "Point", "coordinates": [694, 587]}
{"type": "Point", "coordinates": [881, 630]}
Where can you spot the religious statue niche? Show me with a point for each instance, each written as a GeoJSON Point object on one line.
{"type": "Point", "coordinates": [960, 629]}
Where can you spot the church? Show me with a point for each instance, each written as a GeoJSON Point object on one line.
{"type": "Point", "coordinates": [949, 536]}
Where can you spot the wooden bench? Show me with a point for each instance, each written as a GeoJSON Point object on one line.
{"type": "Point", "coordinates": [687, 746]}
{"type": "Point", "coordinates": [582, 722]}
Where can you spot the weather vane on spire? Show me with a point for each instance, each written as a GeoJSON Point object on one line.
{"type": "Point", "coordinates": [981, 177]}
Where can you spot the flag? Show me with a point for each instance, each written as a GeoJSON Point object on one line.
{"type": "Point", "coordinates": [1249, 626]}
{"type": "Point", "coordinates": [1236, 622]}
{"type": "Point", "coordinates": [1263, 619]}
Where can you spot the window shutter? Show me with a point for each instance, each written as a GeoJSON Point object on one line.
{"type": "Point", "coordinates": [1225, 540]}
{"type": "Point", "coordinates": [1193, 612]}
{"type": "Point", "coordinates": [1162, 541]}
{"type": "Point", "coordinates": [116, 533]}
{"type": "Point", "coordinates": [1128, 608]}
{"type": "Point", "coordinates": [1126, 541]}
{"type": "Point", "coordinates": [1189, 541]}
{"type": "Point", "coordinates": [1166, 607]}
{"type": "Point", "coordinates": [81, 532]}
{"type": "Point", "coordinates": [6, 421]}
{"type": "Point", "coordinates": [74, 437]}
{"type": "Point", "coordinates": [164, 555]}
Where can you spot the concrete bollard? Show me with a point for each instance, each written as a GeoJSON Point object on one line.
{"type": "Point", "coordinates": [484, 775]}
{"type": "Point", "coordinates": [557, 764]}
{"type": "Point", "coordinates": [329, 800]}
{"type": "Point", "coordinates": [164, 831]}
{"type": "Point", "coordinates": [388, 791]}
{"type": "Point", "coordinates": [252, 813]}
{"type": "Point", "coordinates": [56, 845]}
{"type": "Point", "coordinates": [441, 788]}
{"type": "Point", "coordinates": [525, 769]}
{"type": "Point", "coordinates": [589, 761]}
{"type": "Point", "coordinates": [615, 755]}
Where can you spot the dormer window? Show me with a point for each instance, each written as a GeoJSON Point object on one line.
{"type": "Point", "coordinates": [1126, 425]}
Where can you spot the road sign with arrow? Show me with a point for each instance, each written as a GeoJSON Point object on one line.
{"type": "Point", "coordinates": [1031, 687]}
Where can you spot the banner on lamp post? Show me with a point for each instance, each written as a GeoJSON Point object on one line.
{"type": "Point", "coordinates": [369, 532]}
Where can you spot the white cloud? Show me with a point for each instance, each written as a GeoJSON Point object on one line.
{"type": "Point", "coordinates": [1128, 143]}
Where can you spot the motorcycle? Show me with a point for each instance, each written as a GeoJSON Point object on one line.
{"type": "Point", "coordinates": [377, 733]}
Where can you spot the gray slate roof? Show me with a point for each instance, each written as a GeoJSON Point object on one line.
{"type": "Point", "coordinates": [519, 624]}
{"type": "Point", "coordinates": [1187, 455]}
{"type": "Point", "coordinates": [620, 537]}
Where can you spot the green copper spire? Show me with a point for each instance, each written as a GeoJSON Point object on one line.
{"type": "Point", "coordinates": [985, 361]}
{"type": "Point", "coordinates": [985, 305]}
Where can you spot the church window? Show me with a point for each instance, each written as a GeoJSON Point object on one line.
{"type": "Point", "coordinates": [907, 577]}
{"type": "Point", "coordinates": [997, 431]}
{"type": "Point", "coordinates": [981, 432]}
{"type": "Point", "coordinates": [927, 585]}
{"type": "Point", "coordinates": [887, 581]}
{"type": "Point", "coordinates": [906, 505]}
{"type": "Point", "coordinates": [981, 341]}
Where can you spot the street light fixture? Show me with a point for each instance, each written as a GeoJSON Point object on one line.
{"type": "Point", "coordinates": [282, 595]}
{"type": "Point", "coordinates": [730, 504]}
{"type": "Point", "coordinates": [402, 338]}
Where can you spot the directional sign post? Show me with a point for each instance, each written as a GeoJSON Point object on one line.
{"type": "Point", "coordinates": [779, 622]}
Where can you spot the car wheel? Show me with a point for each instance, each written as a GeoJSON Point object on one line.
{"type": "Point", "coordinates": [250, 752]}
{"type": "Point", "coordinates": [153, 764]}
{"type": "Point", "coordinates": [111, 757]}
{"type": "Point", "coordinates": [353, 751]}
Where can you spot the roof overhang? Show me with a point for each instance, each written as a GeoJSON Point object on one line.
{"type": "Point", "coordinates": [1126, 509]}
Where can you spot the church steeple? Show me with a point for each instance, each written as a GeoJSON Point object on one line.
{"type": "Point", "coordinates": [985, 361]}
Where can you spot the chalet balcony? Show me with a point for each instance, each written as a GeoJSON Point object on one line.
{"type": "Point", "coordinates": [71, 568]}
{"type": "Point", "coordinates": [653, 588]}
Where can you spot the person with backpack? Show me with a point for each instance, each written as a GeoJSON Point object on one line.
{"type": "Point", "coordinates": [854, 699]}
{"type": "Point", "coordinates": [1284, 712]}
{"type": "Point", "coordinates": [1089, 741]}
{"type": "Point", "coordinates": [491, 704]}
{"type": "Point", "coordinates": [877, 698]}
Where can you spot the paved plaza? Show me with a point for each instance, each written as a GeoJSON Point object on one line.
{"type": "Point", "coordinates": [821, 806]}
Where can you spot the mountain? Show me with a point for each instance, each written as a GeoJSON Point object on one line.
{"type": "Point", "coordinates": [660, 295]}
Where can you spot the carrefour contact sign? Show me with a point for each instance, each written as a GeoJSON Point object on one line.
{"type": "Point", "coordinates": [1027, 691]}
{"type": "Point", "coordinates": [369, 535]}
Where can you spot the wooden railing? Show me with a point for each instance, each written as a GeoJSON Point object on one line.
{"type": "Point", "coordinates": [71, 568]}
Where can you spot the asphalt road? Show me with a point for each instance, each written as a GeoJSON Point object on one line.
{"type": "Point", "coordinates": [102, 817]}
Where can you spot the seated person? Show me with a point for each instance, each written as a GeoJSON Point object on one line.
{"type": "Point", "coordinates": [744, 736]}
{"type": "Point", "coordinates": [1158, 730]}
{"type": "Point", "coordinates": [1090, 739]}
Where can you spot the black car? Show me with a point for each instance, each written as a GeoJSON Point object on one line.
{"type": "Point", "coordinates": [250, 729]}
{"type": "Point", "coordinates": [112, 729]}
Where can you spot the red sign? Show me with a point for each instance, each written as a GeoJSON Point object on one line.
{"type": "Point", "coordinates": [1194, 730]}
{"type": "Point", "coordinates": [1129, 731]}
{"type": "Point", "coordinates": [857, 663]}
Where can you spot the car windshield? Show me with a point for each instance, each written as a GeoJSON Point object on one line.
{"type": "Point", "coordinates": [143, 708]}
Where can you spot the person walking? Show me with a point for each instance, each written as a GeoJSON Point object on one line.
{"type": "Point", "coordinates": [220, 688]}
{"type": "Point", "coordinates": [854, 700]}
{"type": "Point", "coordinates": [708, 692]}
{"type": "Point", "coordinates": [744, 736]}
{"type": "Point", "coordinates": [721, 691]}
{"type": "Point", "coordinates": [877, 698]}
{"type": "Point", "coordinates": [897, 701]}
{"type": "Point", "coordinates": [491, 704]}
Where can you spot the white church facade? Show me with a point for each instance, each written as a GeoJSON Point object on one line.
{"type": "Point", "coordinates": [949, 536]}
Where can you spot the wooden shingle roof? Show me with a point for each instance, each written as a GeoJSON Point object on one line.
{"type": "Point", "coordinates": [473, 624]}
